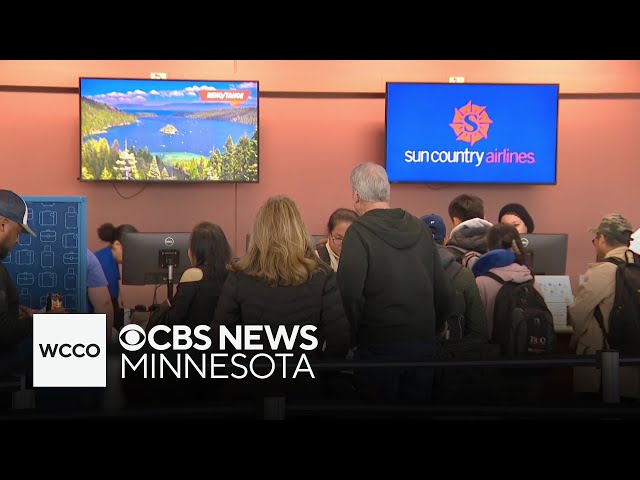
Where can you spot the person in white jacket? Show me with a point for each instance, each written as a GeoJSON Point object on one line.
{"type": "Point", "coordinates": [634, 246]}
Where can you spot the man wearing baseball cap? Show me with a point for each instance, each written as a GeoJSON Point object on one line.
{"type": "Point", "coordinates": [13, 222]}
{"type": "Point", "coordinates": [611, 239]}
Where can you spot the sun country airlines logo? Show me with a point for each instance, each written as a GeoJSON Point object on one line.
{"type": "Point", "coordinates": [471, 123]}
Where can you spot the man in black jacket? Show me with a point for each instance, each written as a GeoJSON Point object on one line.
{"type": "Point", "coordinates": [394, 289]}
{"type": "Point", "coordinates": [14, 326]}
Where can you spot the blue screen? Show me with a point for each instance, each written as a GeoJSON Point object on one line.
{"type": "Point", "coordinates": [471, 133]}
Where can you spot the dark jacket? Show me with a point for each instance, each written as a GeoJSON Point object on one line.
{"type": "Point", "coordinates": [249, 301]}
{"type": "Point", "coordinates": [467, 300]}
{"type": "Point", "coordinates": [12, 328]}
{"type": "Point", "coordinates": [193, 304]}
{"type": "Point", "coordinates": [391, 279]}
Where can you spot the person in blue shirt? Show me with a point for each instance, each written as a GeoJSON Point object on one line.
{"type": "Point", "coordinates": [110, 257]}
{"type": "Point", "coordinates": [98, 297]}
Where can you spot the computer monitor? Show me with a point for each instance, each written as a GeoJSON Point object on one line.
{"type": "Point", "coordinates": [546, 253]}
{"type": "Point", "coordinates": [145, 255]}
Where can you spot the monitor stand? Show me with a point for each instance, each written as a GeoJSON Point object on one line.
{"type": "Point", "coordinates": [170, 284]}
{"type": "Point", "coordinates": [169, 259]}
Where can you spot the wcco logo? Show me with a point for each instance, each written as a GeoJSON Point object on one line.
{"type": "Point", "coordinates": [69, 350]}
{"type": "Point", "coordinates": [78, 350]}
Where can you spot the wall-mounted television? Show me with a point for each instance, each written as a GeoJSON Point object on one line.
{"type": "Point", "coordinates": [143, 130]}
{"type": "Point", "coordinates": [471, 133]}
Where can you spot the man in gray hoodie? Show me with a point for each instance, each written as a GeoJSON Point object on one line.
{"type": "Point", "coordinates": [394, 289]}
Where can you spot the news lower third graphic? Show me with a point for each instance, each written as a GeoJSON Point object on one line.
{"type": "Point", "coordinates": [69, 350]}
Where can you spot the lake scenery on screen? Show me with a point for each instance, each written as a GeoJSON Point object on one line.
{"type": "Point", "coordinates": [168, 130]}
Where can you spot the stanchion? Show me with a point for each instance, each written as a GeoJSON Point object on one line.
{"type": "Point", "coordinates": [610, 370]}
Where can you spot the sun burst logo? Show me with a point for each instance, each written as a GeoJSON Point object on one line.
{"type": "Point", "coordinates": [471, 123]}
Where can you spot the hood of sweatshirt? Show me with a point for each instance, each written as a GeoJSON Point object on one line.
{"type": "Point", "coordinates": [513, 273]}
{"type": "Point", "coordinates": [472, 223]}
{"type": "Point", "coordinates": [394, 226]}
{"type": "Point", "coordinates": [471, 235]}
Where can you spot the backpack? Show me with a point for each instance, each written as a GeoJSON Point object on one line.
{"type": "Point", "coordinates": [624, 320]}
{"type": "Point", "coordinates": [522, 322]}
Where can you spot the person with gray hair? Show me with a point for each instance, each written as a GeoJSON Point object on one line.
{"type": "Point", "coordinates": [369, 181]}
{"type": "Point", "coordinates": [394, 289]}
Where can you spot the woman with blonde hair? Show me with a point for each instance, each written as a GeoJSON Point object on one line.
{"type": "Point", "coordinates": [281, 281]}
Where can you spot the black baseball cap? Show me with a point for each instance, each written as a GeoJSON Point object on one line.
{"type": "Point", "coordinates": [13, 207]}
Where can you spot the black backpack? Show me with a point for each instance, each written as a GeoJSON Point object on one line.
{"type": "Point", "coordinates": [522, 322]}
{"type": "Point", "coordinates": [624, 320]}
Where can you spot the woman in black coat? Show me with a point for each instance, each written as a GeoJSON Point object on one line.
{"type": "Point", "coordinates": [200, 286]}
{"type": "Point", "coordinates": [281, 282]}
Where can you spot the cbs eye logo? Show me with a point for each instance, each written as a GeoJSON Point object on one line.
{"type": "Point", "coordinates": [132, 337]}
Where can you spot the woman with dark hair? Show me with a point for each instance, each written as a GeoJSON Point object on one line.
{"type": "Point", "coordinates": [505, 258]}
{"type": "Point", "coordinates": [197, 293]}
{"type": "Point", "coordinates": [110, 258]}
{"type": "Point", "coordinates": [193, 304]}
{"type": "Point", "coordinates": [518, 216]}
{"type": "Point", "coordinates": [330, 250]}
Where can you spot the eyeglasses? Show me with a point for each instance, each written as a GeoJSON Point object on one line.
{"type": "Point", "coordinates": [337, 241]}
{"type": "Point", "coordinates": [595, 239]}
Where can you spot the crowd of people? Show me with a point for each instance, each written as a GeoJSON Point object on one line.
{"type": "Point", "coordinates": [384, 285]}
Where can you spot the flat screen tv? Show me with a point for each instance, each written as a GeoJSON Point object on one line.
{"type": "Point", "coordinates": [471, 133]}
{"type": "Point", "coordinates": [168, 130]}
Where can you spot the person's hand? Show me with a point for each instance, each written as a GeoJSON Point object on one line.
{"type": "Point", "coordinates": [25, 312]}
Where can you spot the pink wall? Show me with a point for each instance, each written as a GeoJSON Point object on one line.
{"type": "Point", "coordinates": [308, 146]}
